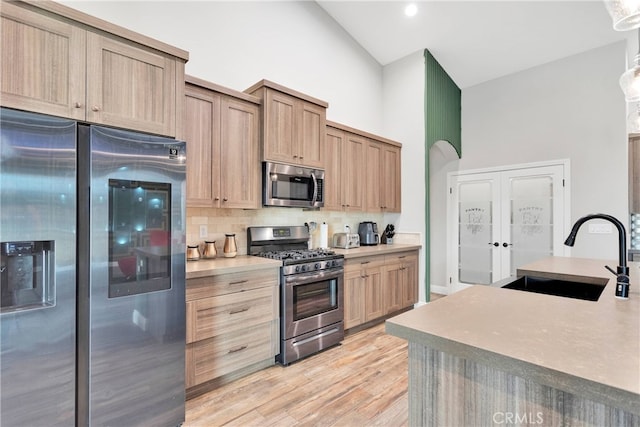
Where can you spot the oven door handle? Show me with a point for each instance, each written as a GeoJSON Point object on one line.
{"type": "Point", "coordinates": [313, 276]}
{"type": "Point", "coordinates": [314, 198]}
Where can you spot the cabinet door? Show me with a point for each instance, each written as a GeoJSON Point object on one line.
{"type": "Point", "coordinates": [410, 281]}
{"type": "Point", "coordinates": [202, 134]}
{"type": "Point", "coordinates": [374, 301]}
{"type": "Point", "coordinates": [333, 181]}
{"type": "Point", "coordinates": [354, 290]}
{"type": "Point", "coordinates": [239, 162]}
{"type": "Point", "coordinates": [393, 287]}
{"type": "Point", "coordinates": [311, 140]}
{"type": "Point", "coordinates": [46, 70]}
{"type": "Point", "coordinates": [354, 173]}
{"type": "Point", "coordinates": [130, 87]}
{"type": "Point", "coordinates": [391, 179]}
{"type": "Point", "coordinates": [374, 180]}
{"type": "Point", "coordinates": [279, 128]}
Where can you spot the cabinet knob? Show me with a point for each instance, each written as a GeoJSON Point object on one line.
{"type": "Point", "coordinates": [295, 157]}
{"type": "Point", "coordinates": [216, 198]}
{"type": "Point", "coordinates": [301, 157]}
{"type": "Point", "coordinates": [77, 105]}
{"type": "Point", "coordinates": [95, 108]}
{"type": "Point", "coordinates": [224, 199]}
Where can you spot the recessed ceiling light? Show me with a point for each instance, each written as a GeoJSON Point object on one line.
{"type": "Point", "coordinates": [411, 9]}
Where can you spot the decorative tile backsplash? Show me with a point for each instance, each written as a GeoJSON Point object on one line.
{"type": "Point", "coordinates": [222, 221]}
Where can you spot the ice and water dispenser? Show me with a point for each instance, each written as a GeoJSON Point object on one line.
{"type": "Point", "coordinates": [27, 275]}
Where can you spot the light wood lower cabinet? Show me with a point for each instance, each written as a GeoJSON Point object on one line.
{"type": "Point", "coordinates": [379, 285]}
{"type": "Point", "coordinates": [232, 324]}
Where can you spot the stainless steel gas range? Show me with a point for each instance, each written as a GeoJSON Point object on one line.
{"type": "Point", "coordinates": [311, 290]}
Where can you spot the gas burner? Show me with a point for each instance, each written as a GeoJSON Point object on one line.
{"type": "Point", "coordinates": [298, 255]}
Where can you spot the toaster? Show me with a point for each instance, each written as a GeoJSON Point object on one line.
{"type": "Point", "coordinates": [346, 240]}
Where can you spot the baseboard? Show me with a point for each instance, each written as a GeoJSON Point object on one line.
{"type": "Point", "coordinates": [444, 290]}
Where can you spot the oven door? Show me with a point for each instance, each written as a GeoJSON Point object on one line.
{"type": "Point", "coordinates": [311, 301]}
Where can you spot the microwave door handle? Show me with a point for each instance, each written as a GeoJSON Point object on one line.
{"type": "Point", "coordinates": [315, 189]}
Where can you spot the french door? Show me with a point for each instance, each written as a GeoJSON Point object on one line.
{"type": "Point", "coordinates": [501, 220]}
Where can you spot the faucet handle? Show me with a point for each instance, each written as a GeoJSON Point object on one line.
{"type": "Point", "coordinates": [622, 282]}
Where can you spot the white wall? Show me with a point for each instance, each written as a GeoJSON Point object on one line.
{"type": "Point", "coordinates": [403, 118]}
{"type": "Point", "coordinates": [237, 43]}
{"type": "Point", "coordinates": [572, 108]}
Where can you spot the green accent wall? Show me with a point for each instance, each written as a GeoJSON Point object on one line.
{"type": "Point", "coordinates": [442, 121]}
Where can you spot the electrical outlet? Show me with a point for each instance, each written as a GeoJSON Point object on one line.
{"type": "Point", "coordinates": [600, 228]}
{"type": "Point", "coordinates": [203, 231]}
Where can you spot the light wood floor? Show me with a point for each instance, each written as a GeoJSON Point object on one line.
{"type": "Point", "coordinates": [363, 382]}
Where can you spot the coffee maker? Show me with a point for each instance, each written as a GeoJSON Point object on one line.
{"type": "Point", "coordinates": [368, 232]}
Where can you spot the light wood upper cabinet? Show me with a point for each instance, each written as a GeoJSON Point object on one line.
{"type": "Point", "coordinates": [58, 61]}
{"type": "Point", "coordinates": [362, 171]}
{"type": "Point", "coordinates": [344, 183]}
{"type": "Point", "coordinates": [223, 168]}
{"type": "Point", "coordinates": [43, 63]}
{"type": "Point", "coordinates": [129, 86]}
{"type": "Point", "coordinates": [383, 192]}
{"type": "Point", "coordinates": [293, 125]}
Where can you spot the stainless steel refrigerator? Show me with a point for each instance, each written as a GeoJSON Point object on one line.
{"type": "Point", "coordinates": [92, 275]}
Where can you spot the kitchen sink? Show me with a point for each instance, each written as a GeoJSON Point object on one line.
{"type": "Point", "coordinates": [589, 290]}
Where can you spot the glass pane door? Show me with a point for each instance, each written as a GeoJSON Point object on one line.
{"type": "Point", "coordinates": [475, 228]}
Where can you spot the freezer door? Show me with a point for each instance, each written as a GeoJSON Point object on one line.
{"type": "Point", "coordinates": [37, 269]}
{"type": "Point", "coordinates": [137, 278]}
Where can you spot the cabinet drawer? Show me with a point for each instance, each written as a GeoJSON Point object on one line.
{"type": "Point", "coordinates": [408, 256]}
{"type": "Point", "coordinates": [203, 287]}
{"type": "Point", "coordinates": [364, 263]}
{"type": "Point", "coordinates": [208, 317]}
{"type": "Point", "coordinates": [226, 353]}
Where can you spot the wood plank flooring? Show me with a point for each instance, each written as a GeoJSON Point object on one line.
{"type": "Point", "coordinates": [362, 382]}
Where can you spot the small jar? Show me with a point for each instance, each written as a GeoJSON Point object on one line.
{"type": "Point", "coordinates": [193, 253]}
{"type": "Point", "coordinates": [230, 248]}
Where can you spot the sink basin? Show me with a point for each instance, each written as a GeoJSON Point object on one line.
{"type": "Point", "coordinates": [589, 291]}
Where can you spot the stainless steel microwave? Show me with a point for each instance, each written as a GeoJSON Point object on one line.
{"type": "Point", "coordinates": [292, 186]}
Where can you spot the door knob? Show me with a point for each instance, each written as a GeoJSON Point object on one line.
{"type": "Point", "coordinates": [506, 245]}
{"type": "Point", "coordinates": [496, 244]}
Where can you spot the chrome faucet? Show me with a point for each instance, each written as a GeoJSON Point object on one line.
{"type": "Point", "coordinates": [622, 272]}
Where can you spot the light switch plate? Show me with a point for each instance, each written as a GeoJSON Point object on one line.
{"type": "Point", "coordinates": [203, 231]}
{"type": "Point", "coordinates": [600, 228]}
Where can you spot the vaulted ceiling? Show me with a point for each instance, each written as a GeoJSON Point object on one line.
{"type": "Point", "coordinates": [477, 40]}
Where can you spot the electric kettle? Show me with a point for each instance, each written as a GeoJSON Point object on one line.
{"type": "Point", "coordinates": [368, 232]}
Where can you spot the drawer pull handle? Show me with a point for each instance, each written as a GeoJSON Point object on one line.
{"type": "Point", "coordinates": [239, 282]}
{"type": "Point", "coordinates": [401, 257]}
{"type": "Point", "coordinates": [365, 262]}
{"type": "Point", "coordinates": [235, 350]}
{"type": "Point", "coordinates": [239, 311]}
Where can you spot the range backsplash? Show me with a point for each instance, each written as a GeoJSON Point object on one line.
{"type": "Point", "coordinates": [222, 221]}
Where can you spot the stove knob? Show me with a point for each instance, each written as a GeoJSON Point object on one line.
{"type": "Point", "coordinates": [317, 266]}
{"type": "Point", "coordinates": [304, 268]}
{"type": "Point", "coordinates": [297, 269]}
{"type": "Point", "coordinates": [328, 264]}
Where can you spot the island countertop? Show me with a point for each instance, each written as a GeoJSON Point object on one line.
{"type": "Point", "coordinates": [588, 348]}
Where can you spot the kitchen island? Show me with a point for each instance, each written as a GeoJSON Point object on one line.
{"type": "Point", "coordinates": [488, 355]}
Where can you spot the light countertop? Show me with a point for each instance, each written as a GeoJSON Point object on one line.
{"type": "Point", "coordinates": [222, 265]}
{"type": "Point", "coordinates": [375, 250]}
{"type": "Point", "coordinates": [588, 348]}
